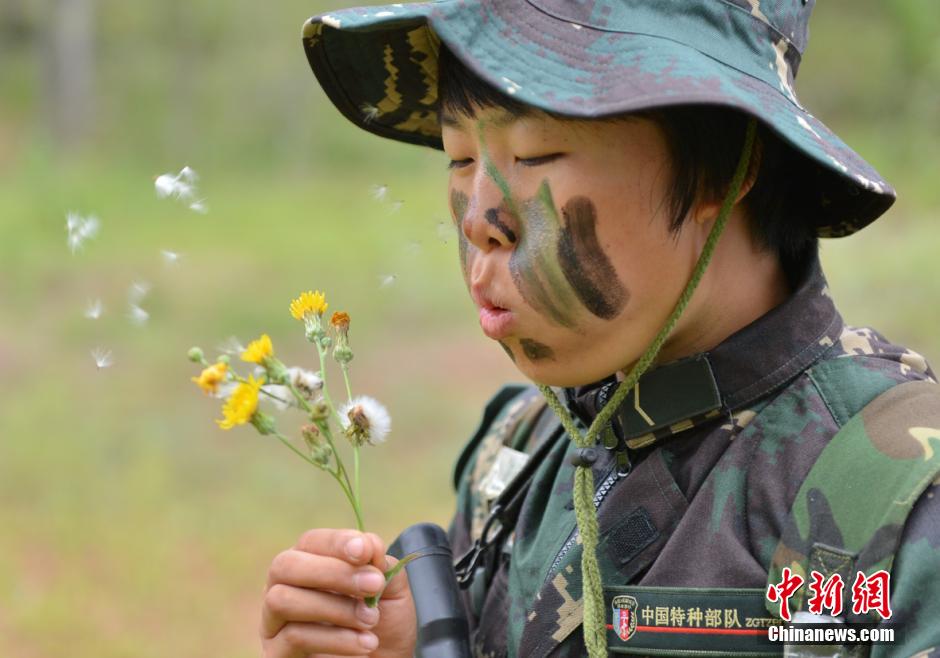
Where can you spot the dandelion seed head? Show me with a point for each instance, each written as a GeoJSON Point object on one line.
{"type": "Point", "coordinates": [278, 395]}
{"type": "Point", "coordinates": [94, 309]}
{"type": "Point", "coordinates": [102, 358]}
{"type": "Point", "coordinates": [307, 383]}
{"type": "Point", "coordinates": [367, 418]}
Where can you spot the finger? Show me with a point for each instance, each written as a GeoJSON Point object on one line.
{"type": "Point", "coordinates": [398, 585]}
{"type": "Point", "coordinates": [302, 639]}
{"type": "Point", "coordinates": [378, 551]}
{"type": "Point", "coordinates": [284, 604]}
{"type": "Point", "coordinates": [301, 569]}
{"type": "Point", "coordinates": [349, 545]}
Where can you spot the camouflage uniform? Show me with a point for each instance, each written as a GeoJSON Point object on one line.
{"type": "Point", "coordinates": [707, 493]}
{"type": "Point", "coordinates": [720, 443]}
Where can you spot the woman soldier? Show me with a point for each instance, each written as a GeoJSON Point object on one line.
{"type": "Point", "coordinates": [639, 196]}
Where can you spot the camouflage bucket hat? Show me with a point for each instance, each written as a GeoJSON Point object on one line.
{"type": "Point", "coordinates": [592, 59]}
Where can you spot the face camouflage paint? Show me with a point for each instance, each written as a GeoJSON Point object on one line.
{"type": "Point", "coordinates": [585, 264]}
{"type": "Point", "coordinates": [458, 206]}
{"type": "Point", "coordinates": [512, 357]}
{"type": "Point", "coordinates": [560, 270]}
{"type": "Point", "coordinates": [492, 217]}
{"type": "Point", "coordinates": [536, 351]}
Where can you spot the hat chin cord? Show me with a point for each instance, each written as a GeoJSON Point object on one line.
{"type": "Point", "coordinates": [594, 619]}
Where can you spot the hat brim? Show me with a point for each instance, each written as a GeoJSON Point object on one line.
{"type": "Point", "coordinates": [378, 65]}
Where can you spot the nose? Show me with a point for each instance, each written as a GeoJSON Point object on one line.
{"type": "Point", "coordinates": [488, 224]}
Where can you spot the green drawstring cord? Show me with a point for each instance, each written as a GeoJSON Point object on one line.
{"type": "Point", "coordinates": [594, 623]}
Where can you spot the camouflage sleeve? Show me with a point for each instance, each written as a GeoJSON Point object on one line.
{"type": "Point", "coordinates": [915, 583]}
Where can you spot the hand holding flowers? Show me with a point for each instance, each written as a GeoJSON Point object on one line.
{"type": "Point", "coordinates": [362, 420]}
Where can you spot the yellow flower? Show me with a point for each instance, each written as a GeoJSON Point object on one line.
{"type": "Point", "coordinates": [258, 350]}
{"type": "Point", "coordinates": [309, 303]}
{"type": "Point", "coordinates": [242, 404]}
{"type": "Point", "coordinates": [210, 378]}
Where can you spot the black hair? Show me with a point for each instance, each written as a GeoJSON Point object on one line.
{"type": "Point", "coordinates": [704, 143]}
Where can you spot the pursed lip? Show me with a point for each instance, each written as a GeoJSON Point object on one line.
{"type": "Point", "coordinates": [495, 321]}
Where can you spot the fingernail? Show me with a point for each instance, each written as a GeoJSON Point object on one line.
{"type": "Point", "coordinates": [355, 548]}
{"type": "Point", "coordinates": [368, 616]}
{"type": "Point", "coordinates": [369, 581]}
{"type": "Point", "coordinates": [368, 641]}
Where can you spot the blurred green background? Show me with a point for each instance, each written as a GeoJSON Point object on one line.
{"type": "Point", "coordinates": [132, 526]}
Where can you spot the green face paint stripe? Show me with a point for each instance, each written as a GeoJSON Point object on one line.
{"type": "Point", "coordinates": [585, 264]}
{"type": "Point", "coordinates": [550, 266]}
{"type": "Point", "coordinates": [536, 351]}
{"type": "Point", "coordinates": [493, 171]}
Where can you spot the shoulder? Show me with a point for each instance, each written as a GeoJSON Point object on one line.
{"type": "Point", "coordinates": [501, 416]}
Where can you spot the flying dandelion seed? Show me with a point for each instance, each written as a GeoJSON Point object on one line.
{"type": "Point", "coordinates": [199, 206]}
{"type": "Point", "coordinates": [445, 231]}
{"type": "Point", "coordinates": [181, 187]}
{"type": "Point", "coordinates": [413, 248]}
{"type": "Point", "coordinates": [379, 192]}
{"type": "Point", "coordinates": [170, 258]}
{"type": "Point", "coordinates": [137, 315]}
{"type": "Point", "coordinates": [395, 206]}
{"type": "Point", "coordinates": [137, 292]}
{"type": "Point", "coordinates": [94, 309]}
{"type": "Point", "coordinates": [387, 280]}
{"type": "Point", "coordinates": [80, 229]}
{"type": "Point", "coordinates": [102, 358]}
{"type": "Point", "coordinates": [231, 346]}
{"type": "Point", "coordinates": [369, 112]}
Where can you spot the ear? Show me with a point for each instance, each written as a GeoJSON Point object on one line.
{"type": "Point", "coordinates": [707, 210]}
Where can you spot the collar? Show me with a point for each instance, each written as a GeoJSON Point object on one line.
{"type": "Point", "coordinates": [751, 364]}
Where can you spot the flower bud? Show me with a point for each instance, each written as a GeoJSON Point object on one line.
{"type": "Point", "coordinates": [225, 358]}
{"type": "Point", "coordinates": [320, 411]}
{"type": "Point", "coordinates": [195, 355]}
{"type": "Point", "coordinates": [276, 371]}
{"type": "Point", "coordinates": [343, 354]}
{"type": "Point", "coordinates": [263, 423]}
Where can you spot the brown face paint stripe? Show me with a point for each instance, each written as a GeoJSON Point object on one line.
{"type": "Point", "coordinates": [586, 266]}
{"type": "Point", "coordinates": [492, 217]}
{"type": "Point", "coordinates": [536, 351]}
{"type": "Point", "coordinates": [512, 357]}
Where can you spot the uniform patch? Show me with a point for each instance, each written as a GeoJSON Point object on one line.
{"type": "Point", "coordinates": [688, 621]}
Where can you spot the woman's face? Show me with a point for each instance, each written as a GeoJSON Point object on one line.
{"type": "Point", "coordinates": [564, 238]}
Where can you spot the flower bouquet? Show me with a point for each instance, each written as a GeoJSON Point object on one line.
{"type": "Point", "coordinates": [361, 420]}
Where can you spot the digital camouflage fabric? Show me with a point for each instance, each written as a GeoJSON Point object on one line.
{"type": "Point", "coordinates": [591, 59]}
{"type": "Point", "coordinates": [701, 506]}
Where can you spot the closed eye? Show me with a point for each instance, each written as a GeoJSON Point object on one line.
{"type": "Point", "coordinates": [539, 160]}
{"type": "Point", "coordinates": [459, 164]}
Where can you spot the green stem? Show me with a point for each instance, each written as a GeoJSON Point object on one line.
{"type": "Point", "coordinates": [345, 369]}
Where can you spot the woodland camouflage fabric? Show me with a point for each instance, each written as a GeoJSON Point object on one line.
{"type": "Point", "coordinates": [704, 505]}
{"type": "Point", "coordinates": [590, 59]}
